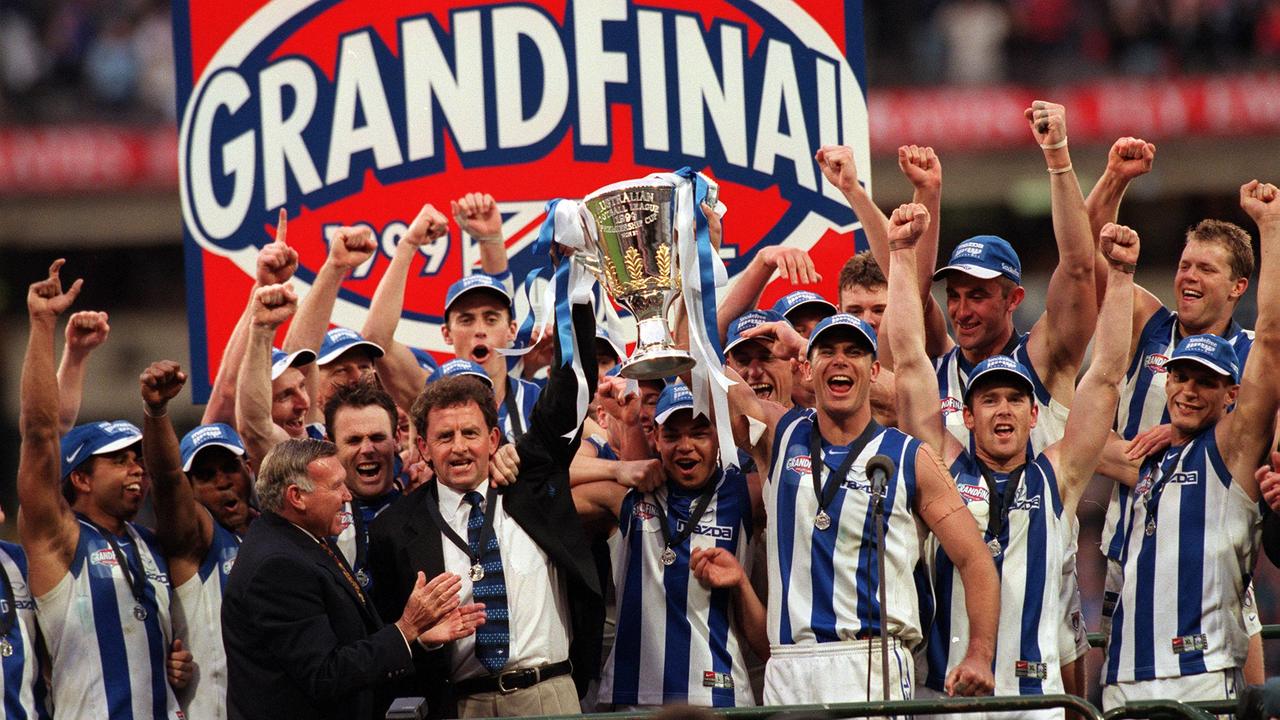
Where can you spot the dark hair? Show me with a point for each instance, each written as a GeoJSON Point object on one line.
{"type": "Point", "coordinates": [1228, 235]}
{"type": "Point", "coordinates": [454, 391]}
{"type": "Point", "coordinates": [364, 392]}
{"type": "Point", "coordinates": [862, 270]}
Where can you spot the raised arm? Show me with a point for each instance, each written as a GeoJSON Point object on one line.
{"type": "Point", "coordinates": [272, 306]}
{"type": "Point", "coordinates": [477, 215]}
{"type": "Point", "coordinates": [184, 530]}
{"type": "Point", "coordinates": [1070, 306]}
{"type": "Point", "coordinates": [923, 168]}
{"type": "Point", "coordinates": [46, 526]}
{"type": "Point", "coordinates": [1245, 433]}
{"type": "Point", "coordinates": [939, 504]}
{"type": "Point", "coordinates": [754, 422]}
{"type": "Point", "coordinates": [791, 263]}
{"type": "Point", "coordinates": [555, 412]}
{"type": "Point", "coordinates": [398, 369]}
{"type": "Point", "coordinates": [276, 265]}
{"type": "Point", "coordinates": [1093, 412]}
{"type": "Point", "coordinates": [916, 383]}
{"type": "Point", "coordinates": [86, 330]}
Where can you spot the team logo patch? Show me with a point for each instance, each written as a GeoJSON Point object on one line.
{"type": "Point", "coordinates": [227, 565]}
{"type": "Point", "coordinates": [1144, 482]}
{"type": "Point", "coordinates": [1155, 362]}
{"type": "Point", "coordinates": [974, 493]}
{"type": "Point", "coordinates": [105, 556]}
{"type": "Point", "coordinates": [345, 518]}
{"type": "Point", "coordinates": [645, 510]}
{"type": "Point", "coordinates": [951, 405]}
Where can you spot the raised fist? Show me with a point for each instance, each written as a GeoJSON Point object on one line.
{"type": "Point", "coordinates": [276, 260]}
{"type": "Point", "coordinates": [351, 247]}
{"type": "Point", "coordinates": [1119, 244]}
{"type": "Point", "coordinates": [87, 330]}
{"type": "Point", "coordinates": [921, 166]}
{"type": "Point", "coordinates": [273, 305]}
{"type": "Point", "coordinates": [906, 226]}
{"type": "Point", "coordinates": [46, 298]}
{"type": "Point", "coordinates": [1130, 157]}
{"type": "Point", "coordinates": [161, 382]}
{"type": "Point", "coordinates": [429, 225]}
{"type": "Point", "coordinates": [837, 166]}
{"type": "Point", "coordinates": [477, 214]}
{"type": "Point", "coordinates": [1261, 201]}
{"type": "Point", "coordinates": [1048, 122]}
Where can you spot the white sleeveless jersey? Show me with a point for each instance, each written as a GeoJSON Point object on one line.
{"type": "Point", "coordinates": [106, 662]}
{"type": "Point", "coordinates": [1179, 609]}
{"type": "Point", "coordinates": [823, 584]}
{"type": "Point", "coordinates": [676, 641]}
{"type": "Point", "coordinates": [24, 690]}
{"type": "Point", "coordinates": [953, 376]}
{"type": "Point", "coordinates": [197, 619]}
{"type": "Point", "coordinates": [1033, 543]}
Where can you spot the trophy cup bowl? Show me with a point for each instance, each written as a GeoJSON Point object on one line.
{"type": "Point", "coordinates": [630, 231]}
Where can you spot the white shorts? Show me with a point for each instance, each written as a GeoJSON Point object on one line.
{"type": "Point", "coordinates": [1073, 635]}
{"type": "Point", "coordinates": [1219, 685]}
{"type": "Point", "coordinates": [836, 672]}
{"type": "Point", "coordinates": [929, 693]}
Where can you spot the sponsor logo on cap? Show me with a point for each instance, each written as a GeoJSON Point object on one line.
{"type": "Point", "coordinates": [968, 249]}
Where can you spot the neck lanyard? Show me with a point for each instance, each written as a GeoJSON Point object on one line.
{"type": "Point", "coordinates": [137, 583]}
{"type": "Point", "coordinates": [826, 492]}
{"type": "Point", "coordinates": [10, 616]}
{"type": "Point", "coordinates": [476, 573]}
{"type": "Point", "coordinates": [1000, 504]}
{"type": "Point", "coordinates": [1152, 501]}
{"type": "Point", "coordinates": [695, 516]}
{"type": "Point", "coordinates": [513, 410]}
{"type": "Point", "coordinates": [358, 509]}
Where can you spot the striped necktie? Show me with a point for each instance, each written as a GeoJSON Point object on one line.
{"type": "Point", "coordinates": [494, 637]}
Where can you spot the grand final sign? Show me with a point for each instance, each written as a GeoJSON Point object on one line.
{"type": "Point", "coordinates": [357, 113]}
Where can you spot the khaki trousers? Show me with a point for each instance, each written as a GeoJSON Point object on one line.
{"type": "Point", "coordinates": [557, 696]}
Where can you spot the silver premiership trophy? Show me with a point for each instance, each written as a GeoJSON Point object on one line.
{"type": "Point", "coordinates": [631, 248]}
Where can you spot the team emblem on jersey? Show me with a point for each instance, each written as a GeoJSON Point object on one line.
{"type": "Point", "coordinates": [951, 405]}
{"type": "Point", "coordinates": [1144, 482]}
{"type": "Point", "coordinates": [1155, 362]}
{"type": "Point", "coordinates": [644, 510]}
{"type": "Point", "coordinates": [973, 493]}
{"type": "Point", "coordinates": [105, 556]}
{"type": "Point", "coordinates": [345, 518]}
{"type": "Point", "coordinates": [228, 564]}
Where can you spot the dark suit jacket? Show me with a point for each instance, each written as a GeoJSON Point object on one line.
{"type": "Point", "coordinates": [299, 643]}
{"type": "Point", "coordinates": [404, 540]}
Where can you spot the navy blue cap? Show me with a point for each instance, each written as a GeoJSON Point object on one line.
{"type": "Point", "coordinates": [426, 360]}
{"type": "Point", "coordinates": [459, 366]}
{"type": "Point", "coordinates": [96, 438]}
{"type": "Point", "coordinates": [205, 436]}
{"type": "Point", "coordinates": [1000, 365]}
{"type": "Point", "coordinates": [802, 298]}
{"type": "Point", "coordinates": [474, 283]}
{"type": "Point", "coordinates": [618, 349]}
{"type": "Point", "coordinates": [843, 320]}
{"type": "Point", "coordinates": [748, 320]}
{"type": "Point", "coordinates": [1210, 351]}
{"type": "Point", "coordinates": [985, 257]}
{"type": "Point", "coordinates": [675, 396]}
{"type": "Point", "coordinates": [340, 340]}
{"type": "Point", "coordinates": [281, 360]}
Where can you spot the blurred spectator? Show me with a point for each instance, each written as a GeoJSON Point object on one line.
{"type": "Point", "coordinates": [975, 32]}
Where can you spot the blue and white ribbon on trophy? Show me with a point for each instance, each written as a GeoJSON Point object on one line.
{"type": "Point", "coordinates": [701, 272]}
{"type": "Point", "coordinates": [570, 284]}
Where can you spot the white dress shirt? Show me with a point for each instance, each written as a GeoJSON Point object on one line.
{"type": "Point", "coordinates": [539, 619]}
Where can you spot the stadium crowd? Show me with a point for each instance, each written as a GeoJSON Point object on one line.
{"type": "Point", "coordinates": [354, 522]}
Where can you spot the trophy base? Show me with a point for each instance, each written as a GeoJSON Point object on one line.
{"type": "Point", "coordinates": [656, 364]}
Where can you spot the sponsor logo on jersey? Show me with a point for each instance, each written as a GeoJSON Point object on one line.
{"type": "Point", "coordinates": [801, 464]}
{"type": "Point", "coordinates": [645, 510]}
{"type": "Point", "coordinates": [713, 679]}
{"type": "Point", "coordinates": [973, 493]}
{"type": "Point", "coordinates": [105, 556]}
{"type": "Point", "coordinates": [719, 532]}
{"type": "Point", "coordinates": [951, 405]}
{"type": "Point", "coordinates": [1155, 362]}
{"type": "Point", "coordinates": [1022, 502]}
{"type": "Point", "coordinates": [1185, 477]}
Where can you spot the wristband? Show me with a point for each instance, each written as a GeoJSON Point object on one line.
{"type": "Point", "coordinates": [1061, 170]}
{"type": "Point", "coordinates": [490, 238]}
{"type": "Point", "coordinates": [1124, 267]}
{"type": "Point", "coordinates": [1054, 146]}
{"type": "Point", "coordinates": [146, 410]}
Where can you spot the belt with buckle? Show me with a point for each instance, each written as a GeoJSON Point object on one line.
{"type": "Point", "coordinates": [513, 680]}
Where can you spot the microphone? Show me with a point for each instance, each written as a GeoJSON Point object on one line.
{"type": "Point", "coordinates": [879, 469]}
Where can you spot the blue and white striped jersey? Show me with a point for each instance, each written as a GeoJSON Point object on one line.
{"type": "Point", "coordinates": [1143, 401]}
{"type": "Point", "coordinates": [521, 394]}
{"type": "Point", "coordinates": [1186, 550]}
{"type": "Point", "coordinates": [24, 689]}
{"type": "Point", "coordinates": [675, 640]}
{"type": "Point", "coordinates": [353, 539]}
{"type": "Point", "coordinates": [953, 375]}
{"type": "Point", "coordinates": [1030, 567]}
{"type": "Point", "coordinates": [106, 662]}
{"type": "Point", "coordinates": [823, 584]}
{"type": "Point", "coordinates": [197, 619]}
